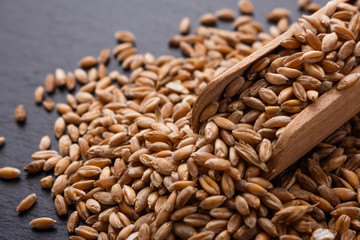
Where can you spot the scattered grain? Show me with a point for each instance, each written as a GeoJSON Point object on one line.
{"type": "Point", "coordinates": [19, 113]}
{"type": "Point", "coordinates": [26, 203]}
{"type": "Point", "coordinates": [42, 223]}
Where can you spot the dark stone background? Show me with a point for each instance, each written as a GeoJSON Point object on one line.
{"type": "Point", "coordinates": [37, 36]}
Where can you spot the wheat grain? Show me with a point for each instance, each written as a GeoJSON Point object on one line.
{"type": "Point", "coordinates": [2, 140]}
{"type": "Point", "coordinates": [42, 223]}
{"type": "Point", "coordinates": [20, 113]}
{"type": "Point", "coordinates": [208, 19]}
{"type": "Point", "coordinates": [39, 94]}
{"type": "Point", "coordinates": [26, 203]}
{"type": "Point", "coordinates": [225, 14]}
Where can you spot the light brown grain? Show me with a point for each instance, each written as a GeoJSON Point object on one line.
{"type": "Point", "coordinates": [26, 203]}
{"type": "Point", "coordinates": [20, 113]}
{"type": "Point", "coordinates": [42, 223]}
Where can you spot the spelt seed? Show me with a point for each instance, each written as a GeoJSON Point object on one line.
{"type": "Point", "coordinates": [347, 82]}
{"type": "Point", "coordinates": [303, 3]}
{"type": "Point", "coordinates": [59, 127]}
{"type": "Point", "coordinates": [26, 203]}
{"type": "Point", "coordinates": [51, 162]}
{"type": "Point", "coordinates": [265, 150]}
{"type": "Point", "coordinates": [20, 113]}
{"type": "Point", "coordinates": [268, 96]}
{"type": "Point", "coordinates": [46, 182]}
{"type": "Point", "coordinates": [104, 55]}
{"type": "Point", "coordinates": [208, 19]}
{"type": "Point", "coordinates": [39, 94]}
{"type": "Point", "coordinates": [312, 56]}
{"type": "Point", "coordinates": [74, 194]}
{"type": "Point", "coordinates": [254, 103]}
{"type": "Point", "coordinates": [247, 135]}
{"type": "Point", "coordinates": [184, 26]}
{"type": "Point", "coordinates": [88, 61]}
{"type": "Point", "coordinates": [63, 108]}
{"type": "Point", "coordinates": [163, 231]}
{"type": "Point", "coordinates": [212, 202]}
{"type": "Point", "coordinates": [60, 77]}
{"type": "Point", "coordinates": [225, 14]}
{"type": "Point", "coordinates": [124, 36]}
{"type": "Point", "coordinates": [346, 49]}
{"type": "Point", "coordinates": [245, 232]}
{"type": "Point", "coordinates": [59, 185]}
{"type": "Point", "coordinates": [224, 123]}
{"type": "Point", "coordinates": [86, 232]}
{"type": "Point", "coordinates": [49, 83]}
{"type": "Point", "coordinates": [104, 198]}
{"type": "Point", "coordinates": [70, 81]}
{"type": "Point", "coordinates": [197, 220]}
{"type": "Point", "coordinates": [276, 79]}
{"type": "Point", "coordinates": [115, 221]}
{"type": "Point", "coordinates": [290, 43]}
{"type": "Point", "coordinates": [250, 155]}
{"type": "Point", "coordinates": [73, 222]}
{"type": "Point", "coordinates": [61, 166]}
{"type": "Point", "coordinates": [34, 167]}
{"type": "Point", "coordinates": [342, 32]}
{"type": "Point", "coordinates": [278, 13]}
{"type": "Point", "coordinates": [125, 232]}
{"type": "Point", "coordinates": [144, 232]}
{"type": "Point", "coordinates": [42, 223]}
{"type": "Point", "coordinates": [241, 205]}
{"type": "Point", "coordinates": [2, 140]}
{"type": "Point", "coordinates": [48, 104]}
{"type": "Point", "coordinates": [81, 76]}
{"type": "Point", "coordinates": [246, 7]}
{"type": "Point", "coordinates": [60, 205]}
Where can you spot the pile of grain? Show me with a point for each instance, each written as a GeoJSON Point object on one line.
{"type": "Point", "coordinates": [134, 169]}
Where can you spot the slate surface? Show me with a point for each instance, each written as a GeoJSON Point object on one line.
{"type": "Point", "coordinates": [37, 36]}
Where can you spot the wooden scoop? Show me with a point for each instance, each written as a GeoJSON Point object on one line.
{"type": "Point", "coordinates": [306, 130]}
